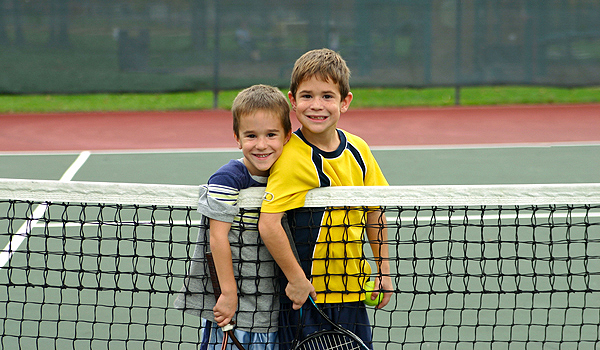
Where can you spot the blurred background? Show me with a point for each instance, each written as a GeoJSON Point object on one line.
{"type": "Point", "coordinates": [121, 46]}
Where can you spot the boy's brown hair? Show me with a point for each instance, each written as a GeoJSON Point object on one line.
{"type": "Point", "coordinates": [261, 97]}
{"type": "Point", "coordinates": [325, 65]}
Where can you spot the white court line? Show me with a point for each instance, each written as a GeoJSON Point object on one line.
{"type": "Point", "coordinates": [391, 219]}
{"type": "Point", "coordinates": [38, 213]}
{"type": "Point", "coordinates": [126, 151]}
{"type": "Point", "coordinates": [500, 145]}
{"type": "Point", "coordinates": [487, 145]}
{"type": "Point", "coordinates": [495, 217]}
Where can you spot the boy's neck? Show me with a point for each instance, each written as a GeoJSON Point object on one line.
{"type": "Point", "coordinates": [327, 141]}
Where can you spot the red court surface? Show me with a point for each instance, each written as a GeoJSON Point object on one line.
{"type": "Point", "coordinates": [379, 127]}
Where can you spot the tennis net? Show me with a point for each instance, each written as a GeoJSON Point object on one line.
{"type": "Point", "coordinates": [98, 265]}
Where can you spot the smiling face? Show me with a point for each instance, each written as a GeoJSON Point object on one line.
{"type": "Point", "coordinates": [318, 105]}
{"type": "Point", "coordinates": [261, 139]}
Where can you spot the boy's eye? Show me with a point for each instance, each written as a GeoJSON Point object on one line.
{"type": "Point", "coordinates": [272, 134]}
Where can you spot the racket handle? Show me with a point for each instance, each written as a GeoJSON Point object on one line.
{"type": "Point", "coordinates": [214, 278]}
{"type": "Point", "coordinates": [212, 271]}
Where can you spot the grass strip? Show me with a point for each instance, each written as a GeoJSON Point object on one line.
{"type": "Point", "coordinates": [363, 98]}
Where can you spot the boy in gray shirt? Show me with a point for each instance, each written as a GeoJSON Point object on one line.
{"type": "Point", "coordinates": [244, 266]}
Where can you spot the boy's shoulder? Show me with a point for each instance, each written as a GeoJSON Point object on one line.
{"type": "Point", "coordinates": [296, 142]}
{"type": "Point", "coordinates": [354, 139]}
{"type": "Point", "coordinates": [235, 167]}
{"type": "Point", "coordinates": [235, 174]}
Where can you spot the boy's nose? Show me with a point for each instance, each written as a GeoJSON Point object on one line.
{"type": "Point", "coordinates": [316, 104]}
{"type": "Point", "coordinates": [261, 143]}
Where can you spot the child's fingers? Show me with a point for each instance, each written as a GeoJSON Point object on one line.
{"type": "Point", "coordinates": [225, 321]}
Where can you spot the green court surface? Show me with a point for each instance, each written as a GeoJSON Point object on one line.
{"type": "Point", "coordinates": [543, 319]}
{"type": "Point", "coordinates": [568, 163]}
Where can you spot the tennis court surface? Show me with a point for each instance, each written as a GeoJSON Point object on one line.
{"type": "Point", "coordinates": [494, 227]}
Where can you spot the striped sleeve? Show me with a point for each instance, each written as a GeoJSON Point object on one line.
{"type": "Point", "coordinates": [218, 202]}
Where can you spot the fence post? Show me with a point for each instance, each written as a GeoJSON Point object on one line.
{"type": "Point", "coordinates": [216, 57]}
{"type": "Point", "coordinates": [458, 53]}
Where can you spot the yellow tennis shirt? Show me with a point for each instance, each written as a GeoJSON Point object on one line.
{"type": "Point", "coordinates": [329, 241]}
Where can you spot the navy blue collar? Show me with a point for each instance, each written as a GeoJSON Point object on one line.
{"type": "Point", "coordinates": [333, 154]}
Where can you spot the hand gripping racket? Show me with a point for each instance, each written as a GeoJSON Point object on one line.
{"type": "Point", "coordinates": [228, 329]}
{"type": "Point", "coordinates": [338, 338]}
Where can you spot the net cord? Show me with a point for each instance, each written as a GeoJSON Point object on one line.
{"type": "Point", "coordinates": [187, 196]}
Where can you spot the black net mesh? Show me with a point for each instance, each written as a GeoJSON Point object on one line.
{"type": "Point", "coordinates": [87, 274]}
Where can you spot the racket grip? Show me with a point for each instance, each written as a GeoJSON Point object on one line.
{"type": "Point", "coordinates": [214, 278]}
{"type": "Point", "coordinates": [212, 271]}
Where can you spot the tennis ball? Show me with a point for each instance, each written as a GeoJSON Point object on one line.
{"type": "Point", "coordinates": [369, 286]}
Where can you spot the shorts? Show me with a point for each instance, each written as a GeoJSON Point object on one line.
{"type": "Point", "coordinates": [351, 316]}
{"type": "Point", "coordinates": [212, 337]}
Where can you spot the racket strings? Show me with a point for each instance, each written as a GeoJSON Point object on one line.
{"type": "Point", "coordinates": [329, 341]}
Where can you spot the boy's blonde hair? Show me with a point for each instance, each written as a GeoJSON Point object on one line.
{"type": "Point", "coordinates": [325, 65]}
{"type": "Point", "coordinates": [261, 97]}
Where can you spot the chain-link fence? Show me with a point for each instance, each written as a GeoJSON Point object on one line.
{"type": "Point", "coordinates": [82, 46]}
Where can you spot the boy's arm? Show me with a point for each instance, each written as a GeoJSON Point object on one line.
{"type": "Point", "coordinates": [276, 241]}
{"type": "Point", "coordinates": [378, 235]}
{"type": "Point", "coordinates": [226, 306]}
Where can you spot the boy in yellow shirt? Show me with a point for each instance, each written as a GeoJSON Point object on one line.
{"type": "Point", "coordinates": [332, 266]}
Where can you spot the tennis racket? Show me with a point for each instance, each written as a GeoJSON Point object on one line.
{"type": "Point", "coordinates": [228, 329]}
{"type": "Point", "coordinates": [338, 338]}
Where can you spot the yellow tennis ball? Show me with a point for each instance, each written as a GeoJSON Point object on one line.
{"type": "Point", "coordinates": [369, 286]}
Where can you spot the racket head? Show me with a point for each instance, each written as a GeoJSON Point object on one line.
{"type": "Point", "coordinates": [330, 339]}
{"type": "Point", "coordinates": [235, 341]}
{"type": "Point", "coordinates": [225, 338]}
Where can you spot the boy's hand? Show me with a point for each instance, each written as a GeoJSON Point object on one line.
{"type": "Point", "coordinates": [383, 283]}
{"type": "Point", "coordinates": [225, 309]}
{"type": "Point", "coordinates": [298, 291]}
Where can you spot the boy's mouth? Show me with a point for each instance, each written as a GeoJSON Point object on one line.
{"type": "Point", "coordinates": [265, 155]}
{"type": "Point", "coordinates": [317, 117]}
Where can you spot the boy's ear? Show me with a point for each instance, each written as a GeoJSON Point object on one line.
{"type": "Point", "coordinates": [292, 100]}
{"type": "Point", "coordinates": [346, 102]}
{"type": "Point", "coordinates": [237, 139]}
{"type": "Point", "coordinates": [287, 137]}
